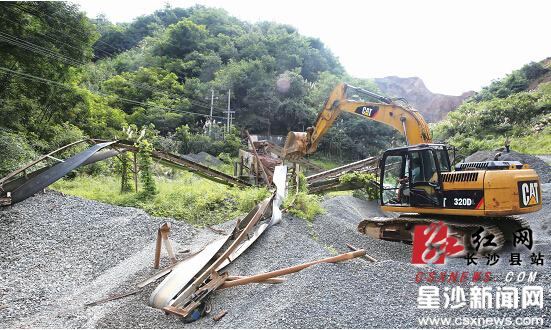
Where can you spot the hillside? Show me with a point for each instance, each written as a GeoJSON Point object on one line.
{"type": "Point", "coordinates": [433, 106]}
{"type": "Point", "coordinates": [518, 106]}
{"type": "Point", "coordinates": [65, 77]}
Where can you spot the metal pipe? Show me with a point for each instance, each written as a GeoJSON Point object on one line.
{"type": "Point", "coordinates": [293, 269]}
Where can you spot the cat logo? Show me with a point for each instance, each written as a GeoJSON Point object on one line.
{"type": "Point", "coordinates": [368, 111]}
{"type": "Point", "coordinates": [528, 193]}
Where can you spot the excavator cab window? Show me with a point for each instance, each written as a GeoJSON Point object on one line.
{"type": "Point", "coordinates": [443, 159]}
{"type": "Point", "coordinates": [393, 178]}
{"type": "Point", "coordinates": [424, 177]}
{"type": "Point", "coordinates": [411, 177]}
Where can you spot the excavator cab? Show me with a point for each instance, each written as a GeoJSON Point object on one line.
{"type": "Point", "coordinates": [411, 176]}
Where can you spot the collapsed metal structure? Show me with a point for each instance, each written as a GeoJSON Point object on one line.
{"type": "Point", "coordinates": [187, 283]}
{"type": "Point", "coordinates": [42, 172]}
{"type": "Point", "coordinates": [330, 180]}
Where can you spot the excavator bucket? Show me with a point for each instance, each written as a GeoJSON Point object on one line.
{"type": "Point", "coordinates": [295, 145]}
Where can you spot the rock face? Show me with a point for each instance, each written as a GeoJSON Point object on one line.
{"type": "Point", "coordinates": [434, 107]}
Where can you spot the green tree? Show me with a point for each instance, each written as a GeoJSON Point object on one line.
{"type": "Point", "coordinates": [182, 38]}
{"type": "Point", "coordinates": [145, 162]}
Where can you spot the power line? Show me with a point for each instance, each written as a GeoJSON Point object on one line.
{"type": "Point", "coordinates": [55, 55]}
{"type": "Point", "coordinates": [48, 81]}
{"type": "Point", "coordinates": [37, 49]}
{"type": "Point", "coordinates": [48, 36]}
{"type": "Point", "coordinates": [33, 13]}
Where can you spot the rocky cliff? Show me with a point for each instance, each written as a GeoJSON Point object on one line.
{"type": "Point", "coordinates": [434, 107]}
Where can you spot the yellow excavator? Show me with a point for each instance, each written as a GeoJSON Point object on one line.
{"type": "Point", "coordinates": [418, 181]}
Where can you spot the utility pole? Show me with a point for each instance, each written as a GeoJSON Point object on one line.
{"type": "Point", "coordinates": [232, 114]}
{"type": "Point", "coordinates": [211, 107]}
{"type": "Point", "coordinates": [229, 114]}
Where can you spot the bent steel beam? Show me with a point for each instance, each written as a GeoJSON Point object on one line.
{"type": "Point", "coordinates": [16, 187]}
{"type": "Point", "coordinates": [186, 163]}
{"type": "Point", "coordinates": [54, 173]}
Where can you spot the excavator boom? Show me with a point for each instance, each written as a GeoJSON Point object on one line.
{"type": "Point", "coordinates": [346, 98]}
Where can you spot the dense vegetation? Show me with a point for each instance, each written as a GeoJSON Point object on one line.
{"type": "Point", "coordinates": [64, 77]}
{"type": "Point", "coordinates": [517, 106]}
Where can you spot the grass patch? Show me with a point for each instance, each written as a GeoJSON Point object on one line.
{"type": "Point", "coordinates": [304, 205]}
{"type": "Point", "coordinates": [325, 163]}
{"type": "Point", "coordinates": [195, 200]}
{"type": "Point", "coordinates": [339, 193]}
{"type": "Point", "coordinates": [536, 144]}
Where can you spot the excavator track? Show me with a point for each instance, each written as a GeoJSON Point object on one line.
{"type": "Point", "coordinates": [401, 228]}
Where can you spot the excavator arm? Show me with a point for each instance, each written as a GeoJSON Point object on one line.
{"type": "Point", "coordinates": [404, 119]}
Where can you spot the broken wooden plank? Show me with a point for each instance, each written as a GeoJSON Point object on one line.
{"type": "Point", "coordinates": [165, 230]}
{"type": "Point", "coordinates": [273, 280]}
{"type": "Point", "coordinates": [158, 244]}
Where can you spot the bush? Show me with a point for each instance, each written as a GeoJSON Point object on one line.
{"type": "Point", "coordinates": [146, 168]}
{"type": "Point", "coordinates": [16, 151]}
{"type": "Point", "coordinates": [304, 205]}
{"type": "Point", "coordinates": [368, 181]}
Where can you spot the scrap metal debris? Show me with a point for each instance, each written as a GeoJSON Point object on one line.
{"type": "Point", "coordinates": [292, 269]}
{"type": "Point", "coordinates": [220, 315]}
{"type": "Point", "coordinates": [366, 256]}
{"type": "Point", "coordinates": [113, 297]}
{"type": "Point", "coordinates": [191, 281]}
{"type": "Point", "coordinates": [267, 174]}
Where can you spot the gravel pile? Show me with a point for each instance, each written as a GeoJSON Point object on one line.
{"type": "Point", "coordinates": [59, 252]}
{"type": "Point", "coordinates": [205, 158]}
{"type": "Point", "coordinates": [338, 226]}
{"type": "Point", "coordinates": [543, 169]}
{"type": "Point", "coordinates": [545, 158]}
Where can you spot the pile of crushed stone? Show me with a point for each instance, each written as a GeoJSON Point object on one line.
{"type": "Point", "coordinates": [59, 252]}
{"type": "Point", "coordinates": [205, 159]}
{"type": "Point", "coordinates": [543, 169]}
